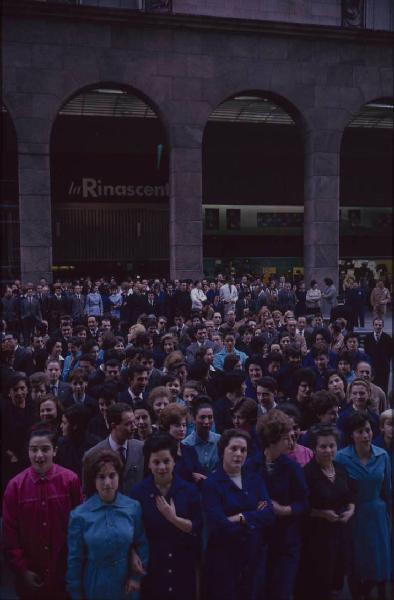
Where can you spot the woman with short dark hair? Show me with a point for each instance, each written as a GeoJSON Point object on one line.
{"type": "Point", "coordinates": [36, 507]}
{"type": "Point", "coordinates": [331, 497]}
{"type": "Point", "coordinates": [105, 534]}
{"type": "Point", "coordinates": [172, 518]}
{"type": "Point", "coordinates": [173, 420]}
{"type": "Point", "coordinates": [289, 493]}
{"type": "Point", "coordinates": [238, 512]}
{"type": "Point", "coordinates": [369, 467]}
{"type": "Point", "coordinates": [75, 440]}
{"type": "Point", "coordinates": [245, 418]}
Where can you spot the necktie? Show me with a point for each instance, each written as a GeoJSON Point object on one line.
{"type": "Point", "coordinates": [54, 390]}
{"type": "Point", "coordinates": [122, 454]}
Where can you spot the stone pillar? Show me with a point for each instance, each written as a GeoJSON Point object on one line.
{"type": "Point", "coordinates": [321, 206]}
{"type": "Point", "coordinates": [186, 213]}
{"type": "Point", "coordinates": [35, 214]}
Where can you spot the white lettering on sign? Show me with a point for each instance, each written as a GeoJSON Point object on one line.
{"type": "Point", "coordinates": [95, 188]}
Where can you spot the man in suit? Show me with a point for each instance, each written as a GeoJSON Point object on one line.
{"type": "Point", "coordinates": [79, 384]}
{"type": "Point", "coordinates": [303, 331]}
{"type": "Point", "coordinates": [59, 389]}
{"type": "Point", "coordinates": [270, 335]}
{"type": "Point", "coordinates": [151, 305]}
{"type": "Point", "coordinates": [379, 347]}
{"type": "Point", "coordinates": [57, 306]}
{"type": "Point", "coordinates": [77, 305]}
{"type": "Point", "coordinates": [202, 341]}
{"type": "Point", "coordinates": [244, 301]}
{"type": "Point", "coordinates": [30, 313]}
{"type": "Point", "coordinates": [183, 302]}
{"type": "Point", "coordinates": [135, 394]}
{"type": "Point", "coordinates": [10, 307]}
{"type": "Point", "coordinates": [121, 419]}
{"type": "Point", "coordinates": [22, 359]}
{"type": "Point", "coordinates": [43, 298]}
{"type": "Point", "coordinates": [286, 298]}
{"type": "Point", "coordinates": [66, 333]}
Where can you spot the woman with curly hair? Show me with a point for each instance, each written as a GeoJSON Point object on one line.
{"type": "Point", "coordinates": [289, 494]}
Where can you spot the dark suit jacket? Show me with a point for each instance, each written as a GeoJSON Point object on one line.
{"type": "Point", "coordinates": [31, 310]}
{"type": "Point", "coordinates": [136, 306]}
{"type": "Point", "coordinates": [57, 306]}
{"type": "Point", "coordinates": [381, 354]}
{"type": "Point", "coordinates": [151, 309]}
{"type": "Point", "coordinates": [183, 303]}
{"type": "Point", "coordinates": [242, 303]}
{"type": "Point", "coordinates": [63, 391]}
{"type": "Point", "coordinates": [77, 307]}
{"type": "Point", "coordinates": [89, 402]}
{"type": "Point", "coordinates": [381, 351]}
{"type": "Point", "coordinates": [134, 467]}
{"type": "Point", "coordinates": [23, 361]}
{"type": "Point", "coordinates": [125, 397]}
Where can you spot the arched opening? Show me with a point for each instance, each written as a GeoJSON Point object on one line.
{"type": "Point", "coordinates": [366, 193]}
{"type": "Point", "coordinates": [9, 200]}
{"type": "Point", "coordinates": [110, 191]}
{"type": "Point", "coordinates": [253, 187]}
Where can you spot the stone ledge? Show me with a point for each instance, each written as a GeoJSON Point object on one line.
{"type": "Point", "coordinates": [32, 9]}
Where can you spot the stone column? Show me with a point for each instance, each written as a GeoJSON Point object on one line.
{"type": "Point", "coordinates": [186, 213]}
{"type": "Point", "coordinates": [321, 206]}
{"type": "Point", "coordinates": [35, 213]}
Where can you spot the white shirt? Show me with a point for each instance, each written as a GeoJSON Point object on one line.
{"type": "Point", "coordinates": [197, 297]}
{"type": "Point", "coordinates": [228, 293]}
{"type": "Point", "coordinates": [115, 446]}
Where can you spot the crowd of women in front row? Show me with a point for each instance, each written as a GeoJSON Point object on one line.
{"type": "Point", "coordinates": [258, 527]}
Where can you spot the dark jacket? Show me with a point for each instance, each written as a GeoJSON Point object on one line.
{"type": "Point", "coordinates": [236, 553]}
{"type": "Point", "coordinates": [173, 554]}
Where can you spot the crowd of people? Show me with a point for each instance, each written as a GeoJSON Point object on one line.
{"type": "Point", "coordinates": [224, 439]}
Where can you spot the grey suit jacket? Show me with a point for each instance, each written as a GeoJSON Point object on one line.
{"type": "Point", "coordinates": [192, 350]}
{"type": "Point", "coordinates": [134, 468]}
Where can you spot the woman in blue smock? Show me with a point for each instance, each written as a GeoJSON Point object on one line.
{"type": "Point", "coordinates": [238, 512]}
{"type": "Point", "coordinates": [106, 540]}
{"type": "Point", "coordinates": [172, 518]}
{"type": "Point", "coordinates": [369, 467]}
{"type": "Point", "coordinates": [289, 494]}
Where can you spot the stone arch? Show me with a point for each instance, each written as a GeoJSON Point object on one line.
{"type": "Point", "coordinates": [9, 197]}
{"type": "Point", "coordinates": [119, 188]}
{"type": "Point", "coordinates": [249, 220]}
{"type": "Point", "coordinates": [114, 84]}
{"type": "Point", "coordinates": [365, 240]}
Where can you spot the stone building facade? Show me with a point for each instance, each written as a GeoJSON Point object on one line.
{"type": "Point", "coordinates": [185, 62]}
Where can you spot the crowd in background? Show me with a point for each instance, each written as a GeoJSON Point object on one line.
{"type": "Point", "coordinates": [217, 439]}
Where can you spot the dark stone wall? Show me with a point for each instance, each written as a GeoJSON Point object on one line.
{"type": "Point", "coordinates": [185, 72]}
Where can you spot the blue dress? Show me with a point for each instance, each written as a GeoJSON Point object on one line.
{"type": "Point", "coordinates": [235, 558]}
{"type": "Point", "coordinates": [99, 540]}
{"type": "Point", "coordinates": [187, 463]}
{"type": "Point", "coordinates": [371, 552]}
{"type": "Point", "coordinates": [173, 553]}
